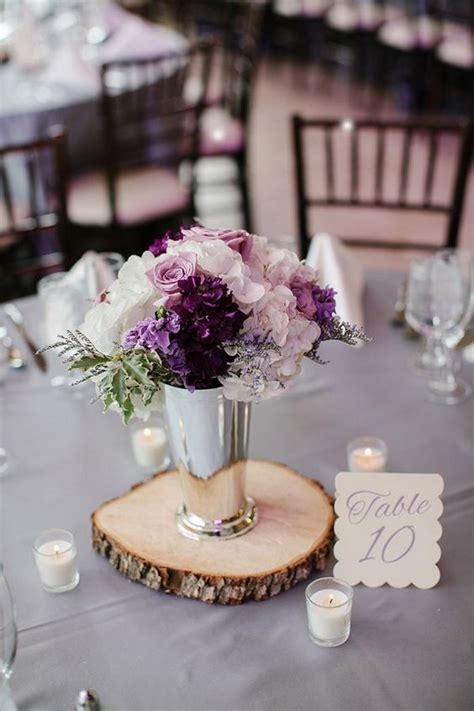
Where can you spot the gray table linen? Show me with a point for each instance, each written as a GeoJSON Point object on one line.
{"type": "Point", "coordinates": [147, 651]}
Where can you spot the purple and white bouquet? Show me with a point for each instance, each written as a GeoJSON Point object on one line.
{"type": "Point", "coordinates": [204, 308]}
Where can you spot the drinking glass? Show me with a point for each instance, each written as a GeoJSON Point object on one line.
{"type": "Point", "coordinates": [64, 307]}
{"type": "Point", "coordinates": [431, 356]}
{"type": "Point", "coordinates": [8, 632]}
{"type": "Point", "coordinates": [439, 306]}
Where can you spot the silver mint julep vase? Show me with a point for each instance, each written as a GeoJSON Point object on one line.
{"type": "Point", "coordinates": [208, 436]}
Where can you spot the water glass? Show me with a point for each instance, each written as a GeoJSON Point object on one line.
{"type": "Point", "coordinates": [8, 631]}
{"type": "Point", "coordinates": [439, 306]}
{"type": "Point", "coordinates": [64, 308]}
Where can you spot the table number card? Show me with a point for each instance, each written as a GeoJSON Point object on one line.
{"type": "Point", "coordinates": [388, 528]}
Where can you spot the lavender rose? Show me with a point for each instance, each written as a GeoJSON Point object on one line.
{"type": "Point", "coordinates": [303, 290]}
{"type": "Point", "coordinates": [239, 240]}
{"type": "Point", "coordinates": [170, 269]}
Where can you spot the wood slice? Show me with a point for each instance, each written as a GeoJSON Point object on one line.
{"type": "Point", "coordinates": [137, 534]}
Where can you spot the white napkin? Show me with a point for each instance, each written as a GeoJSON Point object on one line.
{"type": "Point", "coordinates": [27, 48]}
{"type": "Point", "coordinates": [90, 275]}
{"type": "Point", "coordinates": [338, 268]}
{"type": "Point", "coordinates": [135, 39]}
{"type": "Point", "coordinates": [68, 68]}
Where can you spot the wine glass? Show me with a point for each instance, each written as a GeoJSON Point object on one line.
{"type": "Point", "coordinates": [8, 631]}
{"type": "Point", "coordinates": [439, 306]}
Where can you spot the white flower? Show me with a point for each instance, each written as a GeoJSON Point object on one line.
{"type": "Point", "coordinates": [131, 298]}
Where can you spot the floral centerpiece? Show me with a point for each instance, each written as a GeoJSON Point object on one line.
{"type": "Point", "coordinates": [205, 307]}
{"type": "Point", "coordinates": [204, 310]}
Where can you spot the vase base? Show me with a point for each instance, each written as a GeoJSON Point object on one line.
{"type": "Point", "coordinates": [199, 529]}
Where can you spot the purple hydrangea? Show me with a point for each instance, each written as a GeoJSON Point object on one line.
{"type": "Point", "coordinates": [160, 245]}
{"type": "Point", "coordinates": [325, 304]}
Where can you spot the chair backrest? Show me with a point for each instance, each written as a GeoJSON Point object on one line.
{"type": "Point", "coordinates": [32, 203]}
{"type": "Point", "coordinates": [151, 109]}
{"type": "Point", "coordinates": [409, 185]}
{"type": "Point", "coordinates": [241, 43]}
{"type": "Point", "coordinates": [237, 26]}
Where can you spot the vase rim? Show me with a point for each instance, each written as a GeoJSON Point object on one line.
{"type": "Point", "coordinates": [204, 393]}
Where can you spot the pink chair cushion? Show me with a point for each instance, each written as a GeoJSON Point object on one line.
{"type": "Point", "coordinates": [399, 33]}
{"type": "Point", "coordinates": [343, 16]}
{"type": "Point", "coordinates": [405, 33]}
{"type": "Point", "coordinates": [220, 132]}
{"type": "Point", "coordinates": [457, 51]}
{"type": "Point", "coordinates": [142, 194]}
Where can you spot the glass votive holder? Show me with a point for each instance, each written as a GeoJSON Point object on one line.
{"type": "Point", "coordinates": [150, 444]}
{"type": "Point", "coordinates": [329, 608]}
{"type": "Point", "coordinates": [56, 559]}
{"type": "Point", "coordinates": [367, 454]}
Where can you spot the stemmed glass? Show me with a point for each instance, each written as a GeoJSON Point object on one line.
{"type": "Point", "coordinates": [439, 306]}
{"type": "Point", "coordinates": [8, 631]}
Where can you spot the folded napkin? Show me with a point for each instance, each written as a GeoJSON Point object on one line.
{"type": "Point", "coordinates": [68, 68]}
{"type": "Point", "coordinates": [91, 275]}
{"type": "Point", "coordinates": [27, 48]}
{"type": "Point", "coordinates": [338, 268]}
{"type": "Point", "coordinates": [137, 39]}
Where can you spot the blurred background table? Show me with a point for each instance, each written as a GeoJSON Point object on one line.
{"type": "Point", "coordinates": [64, 89]}
{"type": "Point", "coordinates": [146, 651]}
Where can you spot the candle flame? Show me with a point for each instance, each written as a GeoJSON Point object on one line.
{"type": "Point", "coordinates": [56, 549]}
{"type": "Point", "coordinates": [331, 599]}
{"type": "Point", "coordinates": [367, 451]}
{"type": "Point", "coordinates": [147, 432]}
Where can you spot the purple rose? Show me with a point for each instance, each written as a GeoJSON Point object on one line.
{"type": "Point", "coordinates": [169, 270]}
{"type": "Point", "coordinates": [303, 290]}
{"type": "Point", "coordinates": [239, 240]}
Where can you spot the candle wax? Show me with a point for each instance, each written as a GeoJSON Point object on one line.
{"type": "Point", "coordinates": [57, 563]}
{"type": "Point", "coordinates": [150, 447]}
{"type": "Point", "coordinates": [329, 617]}
{"type": "Point", "coordinates": [367, 459]}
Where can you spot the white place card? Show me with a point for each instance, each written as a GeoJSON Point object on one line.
{"type": "Point", "coordinates": [387, 529]}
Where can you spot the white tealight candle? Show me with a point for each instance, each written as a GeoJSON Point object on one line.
{"type": "Point", "coordinates": [56, 560]}
{"type": "Point", "coordinates": [329, 606]}
{"type": "Point", "coordinates": [367, 454]}
{"type": "Point", "coordinates": [150, 448]}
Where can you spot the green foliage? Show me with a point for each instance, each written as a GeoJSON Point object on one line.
{"type": "Point", "coordinates": [118, 377]}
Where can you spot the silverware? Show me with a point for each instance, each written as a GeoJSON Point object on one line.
{"type": "Point", "coordinates": [16, 317]}
{"type": "Point", "coordinates": [15, 356]}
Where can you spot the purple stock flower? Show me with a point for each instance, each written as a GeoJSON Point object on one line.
{"type": "Point", "coordinates": [153, 334]}
{"type": "Point", "coordinates": [160, 245]}
{"type": "Point", "coordinates": [325, 304]}
{"type": "Point", "coordinates": [191, 334]}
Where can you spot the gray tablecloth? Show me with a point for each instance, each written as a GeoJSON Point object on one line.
{"type": "Point", "coordinates": [145, 651]}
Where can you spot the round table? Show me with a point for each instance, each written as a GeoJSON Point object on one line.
{"type": "Point", "coordinates": [66, 89]}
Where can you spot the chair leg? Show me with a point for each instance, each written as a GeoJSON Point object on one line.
{"type": "Point", "coordinates": [244, 191]}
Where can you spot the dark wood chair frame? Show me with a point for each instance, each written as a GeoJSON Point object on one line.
{"type": "Point", "coordinates": [176, 106]}
{"type": "Point", "coordinates": [240, 43]}
{"type": "Point", "coordinates": [152, 102]}
{"type": "Point", "coordinates": [38, 220]}
{"type": "Point", "coordinates": [453, 210]}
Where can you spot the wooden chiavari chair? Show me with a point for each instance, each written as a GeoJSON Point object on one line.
{"type": "Point", "coordinates": [32, 213]}
{"type": "Point", "coordinates": [150, 126]}
{"type": "Point", "coordinates": [408, 130]}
